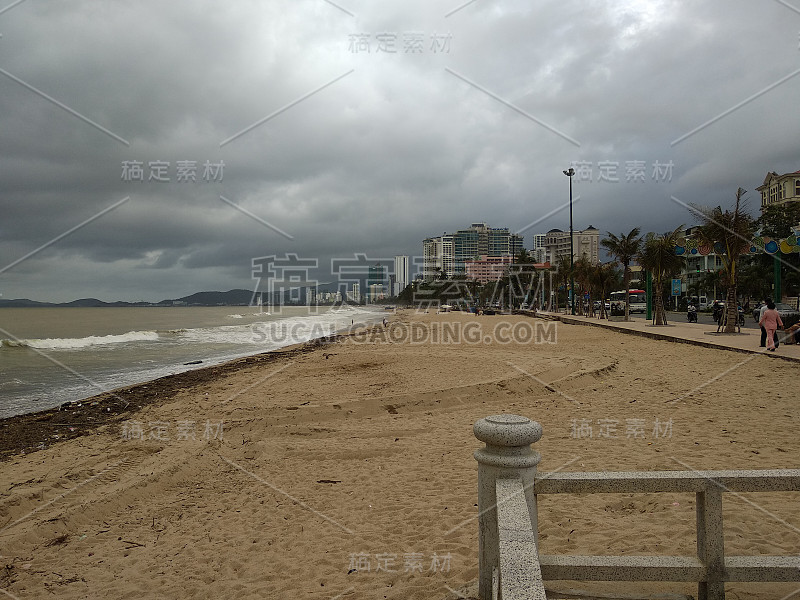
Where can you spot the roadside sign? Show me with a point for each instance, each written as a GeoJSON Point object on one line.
{"type": "Point", "coordinates": [676, 287]}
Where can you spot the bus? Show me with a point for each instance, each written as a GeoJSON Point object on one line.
{"type": "Point", "coordinates": [638, 299]}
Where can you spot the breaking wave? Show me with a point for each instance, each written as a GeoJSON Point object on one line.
{"type": "Point", "coordinates": [84, 342]}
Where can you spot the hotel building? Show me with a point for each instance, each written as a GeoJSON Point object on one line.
{"type": "Point", "coordinates": [448, 253]}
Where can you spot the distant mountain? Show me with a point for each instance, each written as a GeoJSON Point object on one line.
{"type": "Point", "coordinates": [23, 303]}
{"type": "Point", "coordinates": [229, 298]}
{"type": "Point", "coordinates": [85, 303]}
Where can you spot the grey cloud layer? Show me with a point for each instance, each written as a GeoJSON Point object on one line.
{"type": "Point", "coordinates": [398, 150]}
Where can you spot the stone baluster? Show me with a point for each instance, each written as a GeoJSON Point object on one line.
{"type": "Point", "coordinates": [507, 454]}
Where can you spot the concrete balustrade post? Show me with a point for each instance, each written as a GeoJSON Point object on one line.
{"type": "Point", "coordinates": [507, 455]}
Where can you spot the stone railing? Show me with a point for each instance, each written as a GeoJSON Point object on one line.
{"type": "Point", "coordinates": [510, 567]}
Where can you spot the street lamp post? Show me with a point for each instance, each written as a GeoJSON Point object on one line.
{"type": "Point", "coordinates": [569, 174]}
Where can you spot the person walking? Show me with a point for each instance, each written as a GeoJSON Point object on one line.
{"type": "Point", "coordinates": [771, 320]}
{"type": "Point", "coordinates": [761, 312]}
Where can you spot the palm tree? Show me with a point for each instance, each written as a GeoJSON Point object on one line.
{"type": "Point", "coordinates": [604, 277]}
{"type": "Point", "coordinates": [525, 273]}
{"type": "Point", "coordinates": [583, 274]}
{"type": "Point", "coordinates": [545, 279]}
{"type": "Point", "coordinates": [657, 255]}
{"type": "Point", "coordinates": [624, 249]}
{"type": "Point", "coordinates": [564, 270]}
{"type": "Point", "coordinates": [730, 232]}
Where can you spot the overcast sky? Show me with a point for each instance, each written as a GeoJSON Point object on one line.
{"type": "Point", "coordinates": [330, 150]}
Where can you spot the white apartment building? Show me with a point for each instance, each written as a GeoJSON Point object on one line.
{"type": "Point", "coordinates": [355, 294]}
{"type": "Point", "coordinates": [401, 274]}
{"type": "Point", "coordinates": [449, 252]}
{"type": "Point", "coordinates": [437, 256]}
{"type": "Point", "coordinates": [584, 241]}
{"type": "Point", "coordinates": [539, 252]}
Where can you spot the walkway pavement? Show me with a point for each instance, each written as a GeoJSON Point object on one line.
{"type": "Point", "coordinates": [698, 334]}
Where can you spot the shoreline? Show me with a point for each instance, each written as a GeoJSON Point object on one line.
{"type": "Point", "coordinates": [114, 353]}
{"type": "Point", "coordinates": [337, 461]}
{"type": "Point", "coordinates": [30, 432]}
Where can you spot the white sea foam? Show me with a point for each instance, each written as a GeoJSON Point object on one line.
{"type": "Point", "coordinates": [289, 330]}
{"type": "Point", "coordinates": [84, 342]}
{"type": "Point", "coordinates": [277, 332]}
{"type": "Point", "coordinates": [31, 382]}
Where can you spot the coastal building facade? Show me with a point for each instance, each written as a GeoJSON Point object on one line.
{"type": "Point", "coordinates": [539, 251]}
{"type": "Point", "coordinates": [355, 294]}
{"type": "Point", "coordinates": [447, 254]}
{"type": "Point", "coordinates": [487, 268]}
{"type": "Point", "coordinates": [437, 256]}
{"type": "Point", "coordinates": [700, 261]}
{"type": "Point", "coordinates": [779, 189]}
{"type": "Point", "coordinates": [401, 274]}
{"type": "Point", "coordinates": [376, 282]}
{"type": "Point", "coordinates": [584, 242]}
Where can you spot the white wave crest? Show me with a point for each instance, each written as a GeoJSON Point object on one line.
{"type": "Point", "coordinates": [84, 342]}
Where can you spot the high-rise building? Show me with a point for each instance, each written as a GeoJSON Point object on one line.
{"type": "Point", "coordinates": [448, 253]}
{"type": "Point", "coordinates": [376, 275]}
{"type": "Point", "coordinates": [585, 241]}
{"type": "Point", "coordinates": [355, 295]}
{"type": "Point", "coordinates": [437, 256]}
{"type": "Point", "coordinates": [401, 274]}
{"type": "Point", "coordinates": [539, 252]}
{"type": "Point", "coordinates": [376, 282]}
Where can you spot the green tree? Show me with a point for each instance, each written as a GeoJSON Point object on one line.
{"type": "Point", "coordinates": [710, 281]}
{"type": "Point", "coordinates": [604, 278]}
{"type": "Point", "coordinates": [624, 249]}
{"type": "Point", "coordinates": [754, 278]}
{"type": "Point", "coordinates": [522, 276]}
{"type": "Point", "coordinates": [730, 232]}
{"type": "Point", "coordinates": [407, 295]}
{"type": "Point", "coordinates": [563, 271]}
{"type": "Point", "coordinates": [657, 255]}
{"type": "Point", "coordinates": [776, 221]}
{"type": "Point", "coordinates": [584, 271]}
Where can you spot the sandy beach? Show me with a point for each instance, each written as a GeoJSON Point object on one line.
{"type": "Point", "coordinates": [345, 470]}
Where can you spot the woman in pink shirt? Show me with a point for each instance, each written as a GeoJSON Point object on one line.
{"type": "Point", "coordinates": [771, 321]}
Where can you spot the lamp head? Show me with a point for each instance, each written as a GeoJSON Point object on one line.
{"type": "Point", "coordinates": [570, 173]}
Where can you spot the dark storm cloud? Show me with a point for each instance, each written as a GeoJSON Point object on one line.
{"type": "Point", "coordinates": [395, 149]}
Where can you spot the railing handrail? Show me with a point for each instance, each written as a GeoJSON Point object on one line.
{"type": "Point", "coordinates": [508, 486]}
{"type": "Point", "coordinates": [626, 482]}
{"type": "Point", "coordinates": [520, 577]}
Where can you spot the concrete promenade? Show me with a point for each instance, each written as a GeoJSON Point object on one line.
{"type": "Point", "coordinates": [698, 334]}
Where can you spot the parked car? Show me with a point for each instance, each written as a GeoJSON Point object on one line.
{"type": "Point", "coordinates": [784, 310]}
{"type": "Point", "coordinates": [700, 302]}
{"type": "Point", "coordinates": [596, 305]}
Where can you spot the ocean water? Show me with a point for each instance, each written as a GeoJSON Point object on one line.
{"type": "Point", "coordinates": [49, 356]}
